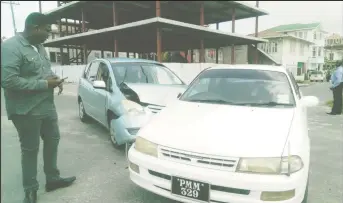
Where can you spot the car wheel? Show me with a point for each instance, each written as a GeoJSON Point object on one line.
{"type": "Point", "coordinates": [306, 192]}
{"type": "Point", "coordinates": [82, 113]}
{"type": "Point", "coordinates": [112, 134]}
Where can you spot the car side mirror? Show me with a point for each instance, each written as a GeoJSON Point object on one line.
{"type": "Point", "coordinates": [99, 84]}
{"type": "Point", "coordinates": [179, 95]}
{"type": "Point", "coordinates": [309, 101]}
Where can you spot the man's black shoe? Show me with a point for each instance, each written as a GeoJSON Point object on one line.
{"type": "Point", "coordinates": [331, 113]}
{"type": "Point", "coordinates": [60, 183]}
{"type": "Point", "coordinates": [30, 197]}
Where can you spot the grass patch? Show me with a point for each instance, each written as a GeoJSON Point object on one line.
{"type": "Point", "coordinates": [330, 104]}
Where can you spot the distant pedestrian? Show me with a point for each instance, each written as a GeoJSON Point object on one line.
{"type": "Point", "coordinates": [29, 83]}
{"type": "Point", "coordinates": [337, 89]}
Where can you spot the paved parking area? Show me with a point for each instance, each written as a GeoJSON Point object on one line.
{"type": "Point", "coordinates": [101, 170]}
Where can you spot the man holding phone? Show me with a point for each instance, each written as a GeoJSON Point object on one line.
{"type": "Point", "coordinates": [29, 83]}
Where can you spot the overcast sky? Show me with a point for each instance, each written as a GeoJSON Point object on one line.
{"type": "Point", "coordinates": [329, 13]}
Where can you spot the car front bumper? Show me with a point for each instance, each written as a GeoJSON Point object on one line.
{"type": "Point", "coordinates": [154, 174]}
{"type": "Point", "coordinates": [127, 126]}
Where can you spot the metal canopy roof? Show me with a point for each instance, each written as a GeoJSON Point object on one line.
{"type": "Point", "coordinates": [100, 13]}
{"type": "Point", "coordinates": [141, 37]}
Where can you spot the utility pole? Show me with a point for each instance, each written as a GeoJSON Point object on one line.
{"type": "Point", "coordinates": [11, 3]}
{"type": "Point", "coordinates": [40, 6]}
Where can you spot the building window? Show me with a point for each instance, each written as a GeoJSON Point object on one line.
{"type": "Point", "coordinates": [273, 47]}
{"type": "Point", "coordinates": [52, 57]}
{"type": "Point", "coordinates": [314, 50]}
{"type": "Point", "coordinates": [319, 51]}
{"type": "Point", "coordinates": [305, 35]}
{"type": "Point", "coordinates": [302, 49]}
{"type": "Point", "coordinates": [296, 34]}
{"type": "Point", "coordinates": [53, 36]}
{"type": "Point", "coordinates": [58, 57]}
{"type": "Point", "coordinates": [301, 34]}
{"type": "Point", "coordinates": [269, 48]}
{"type": "Point", "coordinates": [96, 55]}
{"type": "Point", "coordinates": [331, 56]}
{"type": "Point", "coordinates": [108, 55]}
{"type": "Point", "coordinates": [314, 35]}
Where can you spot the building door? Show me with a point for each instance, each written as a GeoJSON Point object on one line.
{"type": "Point", "coordinates": [300, 68]}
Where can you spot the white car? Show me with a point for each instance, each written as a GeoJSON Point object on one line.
{"type": "Point", "coordinates": [237, 134]}
{"type": "Point", "coordinates": [317, 76]}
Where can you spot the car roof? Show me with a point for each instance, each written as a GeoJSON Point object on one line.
{"type": "Point", "coordinates": [250, 67]}
{"type": "Point", "coordinates": [123, 60]}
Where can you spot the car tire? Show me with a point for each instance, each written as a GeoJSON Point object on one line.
{"type": "Point", "coordinates": [82, 112]}
{"type": "Point", "coordinates": [112, 133]}
{"type": "Point", "coordinates": [306, 192]}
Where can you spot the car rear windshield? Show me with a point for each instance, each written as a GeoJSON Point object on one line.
{"type": "Point", "coordinates": [241, 87]}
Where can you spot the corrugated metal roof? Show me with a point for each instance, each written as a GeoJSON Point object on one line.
{"type": "Point", "coordinates": [296, 26]}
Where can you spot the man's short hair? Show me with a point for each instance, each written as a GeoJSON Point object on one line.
{"type": "Point", "coordinates": [37, 19]}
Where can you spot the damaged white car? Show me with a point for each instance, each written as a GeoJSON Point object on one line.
{"type": "Point", "coordinates": [237, 134]}
{"type": "Point", "coordinates": [122, 94]}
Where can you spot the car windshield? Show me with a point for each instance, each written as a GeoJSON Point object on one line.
{"type": "Point", "coordinates": [144, 73]}
{"type": "Point", "coordinates": [241, 87]}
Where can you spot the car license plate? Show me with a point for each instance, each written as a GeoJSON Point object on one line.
{"type": "Point", "coordinates": [191, 189]}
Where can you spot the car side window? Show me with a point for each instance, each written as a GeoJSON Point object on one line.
{"type": "Point", "coordinates": [92, 71]}
{"type": "Point", "coordinates": [202, 85]}
{"type": "Point", "coordinates": [103, 74]}
{"type": "Point", "coordinates": [294, 84]}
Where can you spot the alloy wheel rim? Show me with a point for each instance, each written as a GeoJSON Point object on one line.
{"type": "Point", "coordinates": [81, 110]}
{"type": "Point", "coordinates": [112, 133]}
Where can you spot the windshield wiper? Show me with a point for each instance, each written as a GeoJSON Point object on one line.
{"type": "Point", "coordinates": [272, 103]}
{"type": "Point", "coordinates": [217, 101]}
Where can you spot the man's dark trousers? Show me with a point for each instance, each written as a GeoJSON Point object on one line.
{"type": "Point", "coordinates": [337, 99]}
{"type": "Point", "coordinates": [30, 130]}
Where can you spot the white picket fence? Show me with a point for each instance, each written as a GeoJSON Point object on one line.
{"type": "Point", "coordinates": [186, 71]}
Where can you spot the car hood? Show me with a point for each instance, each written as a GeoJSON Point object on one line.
{"type": "Point", "coordinates": [157, 94]}
{"type": "Point", "coordinates": [223, 130]}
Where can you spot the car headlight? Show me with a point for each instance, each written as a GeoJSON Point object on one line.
{"type": "Point", "coordinates": [146, 147]}
{"type": "Point", "coordinates": [132, 107]}
{"type": "Point", "coordinates": [282, 165]}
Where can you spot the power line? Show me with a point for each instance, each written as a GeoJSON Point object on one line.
{"type": "Point", "coordinates": [11, 3]}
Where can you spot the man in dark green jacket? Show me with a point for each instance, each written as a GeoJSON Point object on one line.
{"type": "Point", "coordinates": [29, 83]}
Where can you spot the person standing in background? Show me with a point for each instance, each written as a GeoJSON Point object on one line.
{"type": "Point", "coordinates": [337, 89]}
{"type": "Point", "coordinates": [29, 83]}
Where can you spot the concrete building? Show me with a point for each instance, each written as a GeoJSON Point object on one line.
{"type": "Point", "coordinates": [148, 27]}
{"type": "Point", "coordinates": [299, 47]}
{"type": "Point", "coordinates": [333, 50]}
{"type": "Point", "coordinates": [55, 53]}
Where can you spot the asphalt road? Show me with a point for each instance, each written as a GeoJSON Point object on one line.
{"type": "Point", "coordinates": [101, 170]}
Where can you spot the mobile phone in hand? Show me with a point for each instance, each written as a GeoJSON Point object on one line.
{"type": "Point", "coordinates": [64, 79]}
